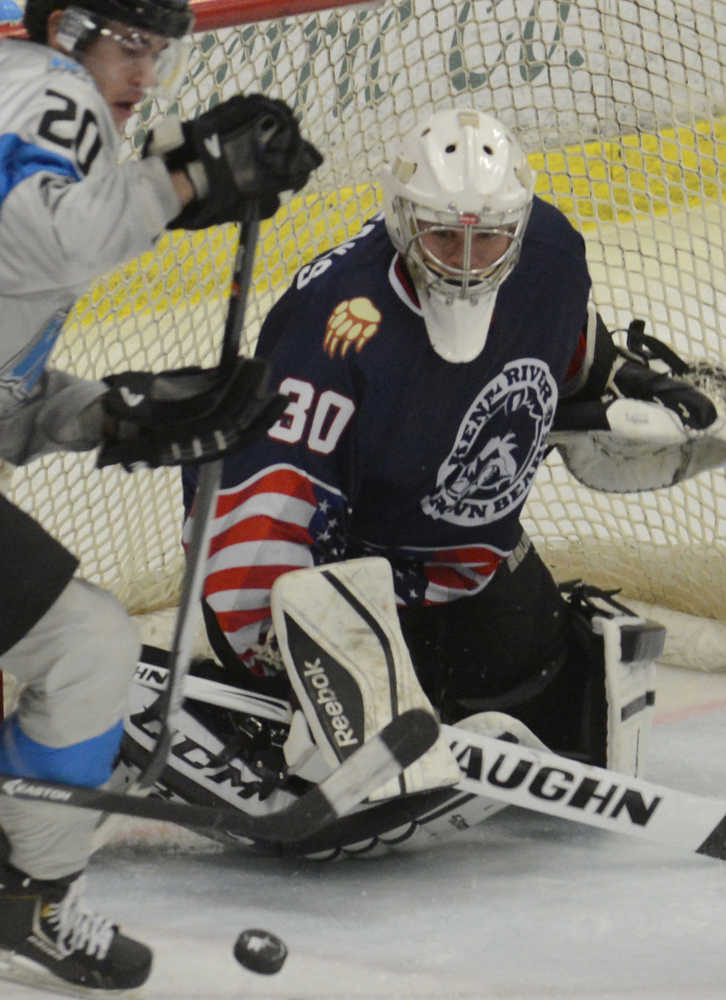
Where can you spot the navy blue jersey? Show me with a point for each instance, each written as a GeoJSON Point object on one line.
{"type": "Point", "coordinates": [385, 448]}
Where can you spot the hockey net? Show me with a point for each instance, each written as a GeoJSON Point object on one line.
{"type": "Point", "coordinates": [622, 108]}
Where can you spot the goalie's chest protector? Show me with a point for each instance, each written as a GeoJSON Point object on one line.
{"type": "Point", "coordinates": [427, 453]}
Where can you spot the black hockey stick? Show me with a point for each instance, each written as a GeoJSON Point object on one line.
{"type": "Point", "coordinates": [379, 759]}
{"type": "Point", "coordinates": [210, 476]}
{"type": "Point", "coordinates": [513, 774]}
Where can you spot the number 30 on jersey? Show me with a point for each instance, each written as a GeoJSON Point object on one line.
{"type": "Point", "coordinates": [318, 418]}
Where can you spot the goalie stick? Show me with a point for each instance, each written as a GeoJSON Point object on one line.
{"type": "Point", "coordinates": [379, 759]}
{"type": "Point", "coordinates": [537, 780]}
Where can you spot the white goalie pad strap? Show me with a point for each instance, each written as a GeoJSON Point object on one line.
{"type": "Point", "coordinates": [647, 447]}
{"type": "Point", "coordinates": [303, 756]}
{"type": "Point", "coordinates": [338, 632]}
{"type": "Point", "coordinates": [631, 646]}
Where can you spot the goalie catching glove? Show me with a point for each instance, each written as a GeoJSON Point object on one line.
{"type": "Point", "coordinates": [247, 149]}
{"type": "Point", "coordinates": [187, 416]}
{"type": "Point", "coordinates": [652, 426]}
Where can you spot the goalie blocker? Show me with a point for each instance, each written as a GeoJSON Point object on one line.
{"type": "Point", "coordinates": [261, 757]}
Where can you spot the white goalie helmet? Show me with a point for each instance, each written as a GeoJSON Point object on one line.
{"type": "Point", "coordinates": [456, 198]}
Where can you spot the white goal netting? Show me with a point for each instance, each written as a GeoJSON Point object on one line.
{"type": "Point", "coordinates": [622, 108]}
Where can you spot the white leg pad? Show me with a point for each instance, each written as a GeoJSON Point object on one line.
{"type": "Point", "coordinates": [631, 646]}
{"type": "Point", "coordinates": [340, 640]}
{"type": "Point", "coordinates": [470, 810]}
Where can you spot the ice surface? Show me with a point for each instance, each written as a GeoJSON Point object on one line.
{"type": "Point", "coordinates": [524, 906]}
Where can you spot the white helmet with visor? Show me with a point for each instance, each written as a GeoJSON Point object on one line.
{"type": "Point", "coordinates": [457, 197]}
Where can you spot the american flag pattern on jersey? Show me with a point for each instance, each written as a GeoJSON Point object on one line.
{"type": "Point", "coordinates": [262, 528]}
{"type": "Point", "coordinates": [282, 519]}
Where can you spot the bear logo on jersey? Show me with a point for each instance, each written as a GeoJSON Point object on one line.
{"type": "Point", "coordinates": [499, 446]}
{"type": "Point", "coordinates": [353, 321]}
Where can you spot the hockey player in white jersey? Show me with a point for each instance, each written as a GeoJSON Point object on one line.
{"type": "Point", "coordinates": [444, 349]}
{"type": "Point", "coordinates": [68, 212]}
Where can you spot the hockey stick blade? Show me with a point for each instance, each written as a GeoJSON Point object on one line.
{"type": "Point", "coordinates": [537, 780]}
{"type": "Point", "coordinates": [382, 757]}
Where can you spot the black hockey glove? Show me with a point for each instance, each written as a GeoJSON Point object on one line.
{"type": "Point", "coordinates": [637, 381]}
{"type": "Point", "coordinates": [245, 149]}
{"type": "Point", "coordinates": [187, 416]}
{"type": "Point", "coordinates": [628, 375]}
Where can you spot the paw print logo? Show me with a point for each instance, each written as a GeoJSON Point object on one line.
{"type": "Point", "coordinates": [353, 321]}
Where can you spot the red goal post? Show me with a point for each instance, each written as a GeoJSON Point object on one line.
{"type": "Point", "coordinates": [211, 15]}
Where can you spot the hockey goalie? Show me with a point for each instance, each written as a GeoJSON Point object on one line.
{"type": "Point", "coordinates": [367, 553]}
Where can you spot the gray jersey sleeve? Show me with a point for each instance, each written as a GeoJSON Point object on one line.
{"type": "Point", "coordinates": [84, 228]}
{"type": "Point", "coordinates": [64, 415]}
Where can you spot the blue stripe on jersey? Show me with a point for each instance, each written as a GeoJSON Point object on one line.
{"type": "Point", "coordinates": [20, 159]}
{"type": "Point", "coordinates": [32, 365]}
{"type": "Point", "coordinates": [87, 763]}
{"type": "Point", "coordinates": [9, 11]}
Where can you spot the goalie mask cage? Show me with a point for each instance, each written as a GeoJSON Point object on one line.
{"type": "Point", "coordinates": [622, 108]}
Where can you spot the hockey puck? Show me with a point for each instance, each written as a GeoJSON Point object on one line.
{"type": "Point", "coordinates": [260, 951]}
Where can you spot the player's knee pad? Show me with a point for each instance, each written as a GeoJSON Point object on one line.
{"type": "Point", "coordinates": [100, 648]}
{"type": "Point", "coordinates": [75, 663]}
{"type": "Point", "coordinates": [612, 663]}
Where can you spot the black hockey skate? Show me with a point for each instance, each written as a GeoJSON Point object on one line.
{"type": "Point", "coordinates": [49, 939]}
